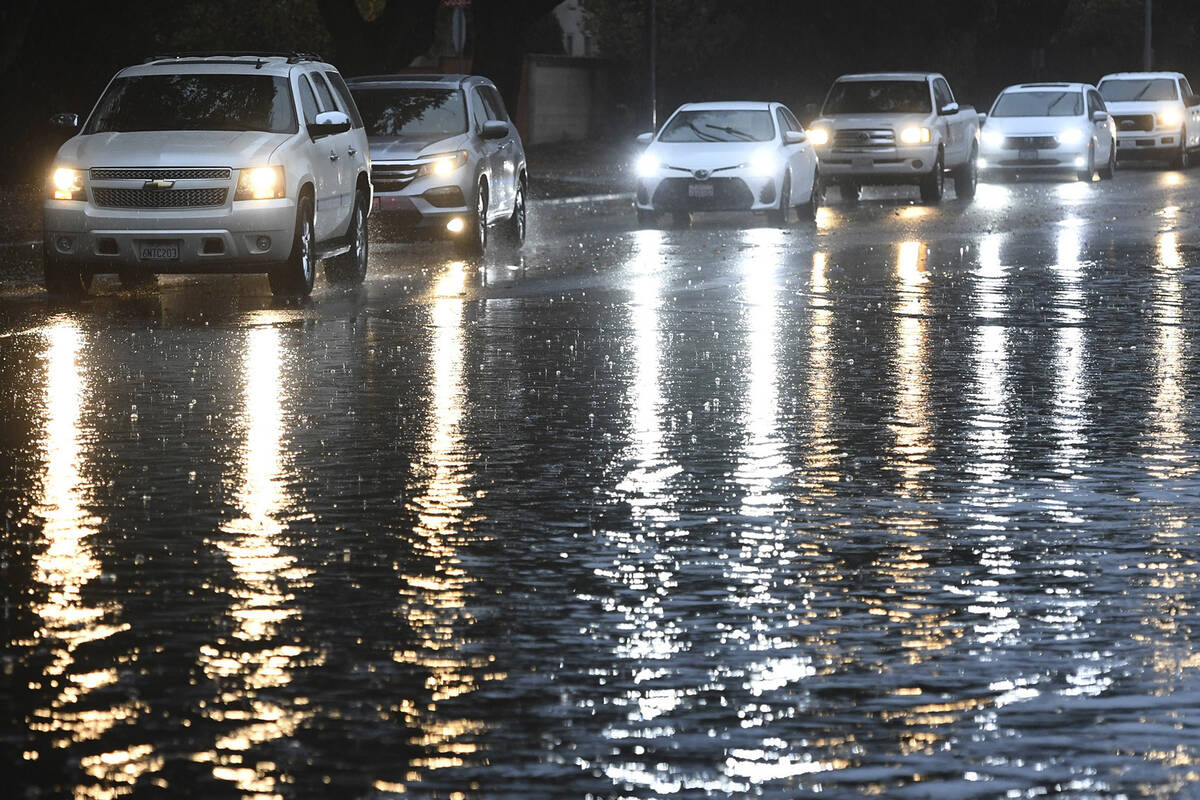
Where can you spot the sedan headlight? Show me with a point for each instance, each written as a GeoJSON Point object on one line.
{"type": "Point", "coordinates": [648, 165]}
{"type": "Point", "coordinates": [993, 138]}
{"type": "Point", "coordinates": [818, 136]}
{"type": "Point", "coordinates": [67, 184]}
{"type": "Point", "coordinates": [763, 163]}
{"type": "Point", "coordinates": [443, 164]}
{"type": "Point", "coordinates": [1171, 118]}
{"type": "Point", "coordinates": [260, 183]}
{"type": "Point", "coordinates": [914, 135]}
{"type": "Point", "coordinates": [1072, 136]}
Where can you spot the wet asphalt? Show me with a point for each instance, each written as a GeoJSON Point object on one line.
{"type": "Point", "coordinates": [902, 503]}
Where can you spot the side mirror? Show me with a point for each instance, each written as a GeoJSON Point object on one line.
{"type": "Point", "coordinates": [1099, 116]}
{"type": "Point", "coordinates": [328, 123]}
{"type": "Point", "coordinates": [68, 121]}
{"type": "Point", "coordinates": [948, 109]}
{"type": "Point", "coordinates": [982, 117]}
{"type": "Point", "coordinates": [795, 137]}
{"type": "Point", "coordinates": [495, 129]}
{"type": "Point", "coordinates": [1194, 100]}
{"type": "Point", "coordinates": [645, 138]}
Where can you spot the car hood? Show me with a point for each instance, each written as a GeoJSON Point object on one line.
{"type": "Point", "coordinates": [1032, 126]}
{"type": "Point", "coordinates": [1141, 106]}
{"type": "Point", "coordinates": [395, 148]}
{"type": "Point", "coordinates": [706, 155]}
{"type": "Point", "coordinates": [172, 149]}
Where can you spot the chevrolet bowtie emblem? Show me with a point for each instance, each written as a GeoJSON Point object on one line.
{"type": "Point", "coordinates": [158, 184]}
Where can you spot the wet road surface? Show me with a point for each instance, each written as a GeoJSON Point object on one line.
{"type": "Point", "coordinates": [903, 503]}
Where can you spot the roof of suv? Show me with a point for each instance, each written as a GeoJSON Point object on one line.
{"type": "Point", "coordinates": [890, 76]}
{"type": "Point", "coordinates": [1034, 87]}
{"type": "Point", "coordinates": [266, 63]}
{"type": "Point", "coordinates": [431, 81]}
{"type": "Point", "coordinates": [1142, 75]}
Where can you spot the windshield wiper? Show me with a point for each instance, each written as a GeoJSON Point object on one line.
{"type": "Point", "coordinates": [1144, 89]}
{"type": "Point", "coordinates": [707, 137]}
{"type": "Point", "coordinates": [1058, 100]}
{"type": "Point", "coordinates": [730, 131]}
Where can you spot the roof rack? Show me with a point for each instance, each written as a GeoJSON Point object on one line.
{"type": "Point", "coordinates": [292, 56]}
{"type": "Point", "coordinates": [429, 77]}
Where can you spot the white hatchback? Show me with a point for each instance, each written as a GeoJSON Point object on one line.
{"type": "Point", "coordinates": [1035, 127]}
{"type": "Point", "coordinates": [731, 156]}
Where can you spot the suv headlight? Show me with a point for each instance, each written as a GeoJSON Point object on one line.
{"type": "Point", "coordinates": [1070, 136]}
{"type": "Point", "coordinates": [992, 138]}
{"type": "Point", "coordinates": [443, 163]}
{"type": "Point", "coordinates": [914, 135]}
{"type": "Point", "coordinates": [260, 183]}
{"type": "Point", "coordinates": [818, 136]}
{"type": "Point", "coordinates": [67, 184]}
{"type": "Point", "coordinates": [1171, 118]}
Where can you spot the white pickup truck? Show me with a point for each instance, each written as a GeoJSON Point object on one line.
{"type": "Point", "coordinates": [896, 127]}
{"type": "Point", "coordinates": [1157, 115]}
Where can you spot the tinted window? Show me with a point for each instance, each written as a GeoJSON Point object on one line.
{"type": "Point", "coordinates": [323, 94]}
{"type": "Point", "coordinates": [719, 125]}
{"type": "Point", "coordinates": [1050, 103]}
{"type": "Point", "coordinates": [192, 102]}
{"type": "Point", "coordinates": [308, 101]}
{"type": "Point", "coordinates": [1126, 89]}
{"type": "Point", "coordinates": [878, 97]}
{"type": "Point", "coordinates": [495, 106]}
{"type": "Point", "coordinates": [347, 101]}
{"type": "Point", "coordinates": [411, 112]}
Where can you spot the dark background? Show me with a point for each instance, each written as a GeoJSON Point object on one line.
{"type": "Point", "coordinates": [57, 56]}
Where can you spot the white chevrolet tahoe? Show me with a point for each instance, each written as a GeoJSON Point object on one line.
{"type": "Point", "coordinates": [896, 127]}
{"type": "Point", "coordinates": [1157, 115]}
{"type": "Point", "coordinates": [208, 163]}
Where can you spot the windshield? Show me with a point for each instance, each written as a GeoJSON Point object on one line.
{"type": "Point", "coordinates": [719, 125]}
{"type": "Point", "coordinates": [878, 97]}
{"type": "Point", "coordinates": [1038, 104]}
{"type": "Point", "coordinates": [1124, 90]}
{"type": "Point", "coordinates": [195, 102]}
{"type": "Point", "coordinates": [412, 112]}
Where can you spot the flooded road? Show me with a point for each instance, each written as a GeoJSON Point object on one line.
{"type": "Point", "coordinates": [901, 504]}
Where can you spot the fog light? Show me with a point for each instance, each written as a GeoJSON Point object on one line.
{"type": "Point", "coordinates": [263, 243]}
{"type": "Point", "coordinates": [63, 244]}
{"type": "Point", "coordinates": [982, 163]}
{"type": "Point", "coordinates": [455, 225]}
{"type": "Point", "coordinates": [918, 163]}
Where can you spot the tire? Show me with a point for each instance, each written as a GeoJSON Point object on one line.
{"type": "Point", "coordinates": [647, 219]}
{"type": "Point", "coordinates": [474, 239]}
{"type": "Point", "coordinates": [681, 219]}
{"type": "Point", "coordinates": [294, 277]}
{"type": "Point", "coordinates": [64, 278]}
{"type": "Point", "coordinates": [1180, 159]}
{"type": "Point", "coordinates": [1087, 172]}
{"type": "Point", "coordinates": [816, 197]}
{"type": "Point", "coordinates": [135, 279]}
{"type": "Point", "coordinates": [933, 185]}
{"type": "Point", "coordinates": [966, 177]}
{"type": "Point", "coordinates": [514, 226]}
{"type": "Point", "coordinates": [851, 191]}
{"type": "Point", "coordinates": [350, 269]}
{"type": "Point", "coordinates": [779, 216]}
{"type": "Point", "coordinates": [1106, 172]}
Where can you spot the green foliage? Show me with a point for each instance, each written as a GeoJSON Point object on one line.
{"type": "Point", "coordinates": [236, 24]}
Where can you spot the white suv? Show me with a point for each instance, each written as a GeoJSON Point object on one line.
{"type": "Point", "coordinates": [203, 163]}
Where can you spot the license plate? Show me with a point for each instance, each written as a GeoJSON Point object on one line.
{"type": "Point", "coordinates": [700, 190]}
{"type": "Point", "coordinates": [862, 162]}
{"type": "Point", "coordinates": [1028, 155]}
{"type": "Point", "coordinates": [158, 251]}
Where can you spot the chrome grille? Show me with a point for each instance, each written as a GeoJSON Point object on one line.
{"type": "Point", "coordinates": [1134, 122]}
{"type": "Point", "coordinates": [392, 177]}
{"type": "Point", "coordinates": [169, 174]}
{"type": "Point", "coordinates": [158, 198]}
{"type": "Point", "coordinates": [1030, 142]}
{"type": "Point", "coordinates": [864, 139]}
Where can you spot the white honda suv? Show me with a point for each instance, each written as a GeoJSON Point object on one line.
{"type": "Point", "coordinates": [208, 163]}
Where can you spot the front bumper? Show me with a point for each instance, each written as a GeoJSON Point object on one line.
{"type": "Point", "coordinates": [878, 165]}
{"type": "Point", "coordinates": [1148, 144]}
{"type": "Point", "coordinates": [415, 213]}
{"type": "Point", "coordinates": [728, 191]}
{"type": "Point", "coordinates": [242, 236]}
{"type": "Point", "coordinates": [994, 159]}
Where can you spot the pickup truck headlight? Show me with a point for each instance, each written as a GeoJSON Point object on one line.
{"type": "Point", "coordinates": [1171, 118]}
{"type": "Point", "coordinates": [443, 164]}
{"type": "Point", "coordinates": [1070, 137]}
{"type": "Point", "coordinates": [67, 184]}
{"type": "Point", "coordinates": [915, 135]}
{"type": "Point", "coordinates": [648, 165]}
{"type": "Point", "coordinates": [818, 136]}
{"type": "Point", "coordinates": [993, 138]}
{"type": "Point", "coordinates": [260, 183]}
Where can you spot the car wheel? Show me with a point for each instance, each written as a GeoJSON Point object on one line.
{"type": "Point", "coordinates": [350, 269]}
{"type": "Point", "coordinates": [933, 185]}
{"type": "Point", "coordinates": [966, 177]}
{"type": "Point", "coordinates": [851, 191]}
{"type": "Point", "coordinates": [64, 278]}
{"type": "Point", "coordinates": [474, 239]}
{"type": "Point", "coordinates": [779, 216]}
{"type": "Point", "coordinates": [1179, 159]}
{"type": "Point", "coordinates": [136, 279]}
{"type": "Point", "coordinates": [1087, 172]}
{"type": "Point", "coordinates": [1106, 172]}
{"type": "Point", "coordinates": [647, 219]}
{"type": "Point", "coordinates": [514, 227]}
{"type": "Point", "coordinates": [816, 197]}
{"type": "Point", "coordinates": [295, 276]}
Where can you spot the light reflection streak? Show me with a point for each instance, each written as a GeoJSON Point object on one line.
{"type": "Point", "coordinates": [1070, 407]}
{"type": "Point", "coordinates": [434, 598]}
{"type": "Point", "coordinates": [64, 567]}
{"type": "Point", "coordinates": [911, 426]}
{"type": "Point", "coordinates": [821, 455]}
{"type": "Point", "coordinates": [988, 434]}
{"type": "Point", "coordinates": [258, 657]}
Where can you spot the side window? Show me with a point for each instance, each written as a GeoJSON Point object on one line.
{"type": "Point", "coordinates": [308, 101]}
{"type": "Point", "coordinates": [1095, 103]}
{"type": "Point", "coordinates": [343, 92]}
{"type": "Point", "coordinates": [495, 105]}
{"type": "Point", "coordinates": [793, 123]}
{"type": "Point", "coordinates": [783, 123]}
{"type": "Point", "coordinates": [1186, 88]}
{"type": "Point", "coordinates": [323, 93]}
{"type": "Point", "coordinates": [941, 92]}
{"type": "Point", "coordinates": [478, 111]}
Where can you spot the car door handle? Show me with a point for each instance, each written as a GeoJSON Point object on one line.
{"type": "Point", "coordinates": [352, 150]}
{"type": "Point", "coordinates": [333, 156]}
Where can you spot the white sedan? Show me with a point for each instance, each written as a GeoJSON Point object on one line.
{"type": "Point", "coordinates": [733, 156]}
{"type": "Point", "coordinates": [1049, 126]}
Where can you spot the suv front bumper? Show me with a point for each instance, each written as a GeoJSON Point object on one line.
{"type": "Point", "coordinates": [245, 236]}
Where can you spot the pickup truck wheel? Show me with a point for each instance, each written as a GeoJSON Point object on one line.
{"type": "Point", "coordinates": [1106, 172]}
{"type": "Point", "coordinates": [779, 216]}
{"type": "Point", "coordinates": [851, 191]}
{"type": "Point", "coordinates": [816, 197]}
{"type": "Point", "coordinates": [350, 269]}
{"type": "Point", "coordinates": [64, 278]}
{"type": "Point", "coordinates": [1087, 172]}
{"type": "Point", "coordinates": [1179, 159]}
{"type": "Point", "coordinates": [966, 177]}
{"type": "Point", "coordinates": [933, 185]}
{"type": "Point", "coordinates": [295, 276]}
